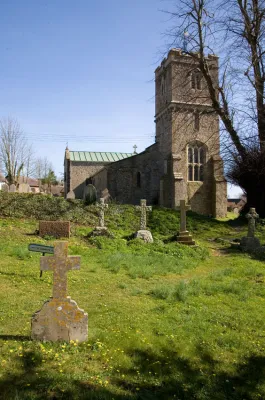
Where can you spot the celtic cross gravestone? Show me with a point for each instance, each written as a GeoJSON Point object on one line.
{"type": "Point", "coordinates": [143, 208]}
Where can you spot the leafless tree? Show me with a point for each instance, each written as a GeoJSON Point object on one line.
{"type": "Point", "coordinates": [235, 30]}
{"type": "Point", "coordinates": [42, 166]}
{"type": "Point", "coordinates": [16, 155]}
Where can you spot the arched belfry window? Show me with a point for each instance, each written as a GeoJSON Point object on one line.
{"type": "Point", "coordinates": [196, 161]}
{"type": "Point", "coordinates": [196, 79]}
{"type": "Point", "coordinates": [138, 180]}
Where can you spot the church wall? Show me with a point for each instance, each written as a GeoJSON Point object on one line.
{"type": "Point", "coordinates": [134, 178]}
{"type": "Point", "coordinates": [80, 172]}
{"type": "Point", "coordinates": [199, 194]}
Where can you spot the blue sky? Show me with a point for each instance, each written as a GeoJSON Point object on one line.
{"type": "Point", "coordinates": [81, 72]}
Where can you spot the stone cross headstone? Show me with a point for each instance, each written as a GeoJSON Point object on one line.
{"type": "Point", "coordinates": [252, 216]}
{"type": "Point", "coordinates": [70, 195]}
{"type": "Point", "coordinates": [60, 318]}
{"type": "Point", "coordinates": [184, 236]}
{"type": "Point", "coordinates": [12, 188]}
{"type": "Point", "coordinates": [143, 208]}
{"type": "Point", "coordinates": [101, 206]}
{"type": "Point", "coordinates": [183, 207]}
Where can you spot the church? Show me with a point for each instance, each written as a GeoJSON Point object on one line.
{"type": "Point", "coordinates": [184, 163]}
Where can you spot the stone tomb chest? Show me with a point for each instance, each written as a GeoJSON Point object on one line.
{"type": "Point", "coordinates": [57, 229]}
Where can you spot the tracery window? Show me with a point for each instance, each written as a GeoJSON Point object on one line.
{"type": "Point", "coordinates": [196, 80]}
{"type": "Point", "coordinates": [196, 160]}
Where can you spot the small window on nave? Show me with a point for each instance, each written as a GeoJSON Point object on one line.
{"type": "Point", "coordinates": [196, 160]}
{"type": "Point", "coordinates": [138, 179]}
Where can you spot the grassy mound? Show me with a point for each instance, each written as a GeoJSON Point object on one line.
{"type": "Point", "coordinates": [165, 321]}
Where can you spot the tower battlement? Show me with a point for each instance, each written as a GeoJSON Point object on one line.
{"type": "Point", "coordinates": [179, 56]}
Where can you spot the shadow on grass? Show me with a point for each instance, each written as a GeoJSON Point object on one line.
{"type": "Point", "coordinates": [183, 379]}
{"type": "Point", "coordinates": [20, 338]}
{"type": "Point", "coordinates": [164, 376]}
{"type": "Point", "coordinates": [32, 383]}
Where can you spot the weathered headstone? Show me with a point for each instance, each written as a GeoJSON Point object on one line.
{"type": "Point", "coordinates": [60, 318]}
{"type": "Point", "coordinates": [57, 229]}
{"type": "Point", "coordinates": [184, 236]}
{"type": "Point", "coordinates": [24, 188]}
{"type": "Point", "coordinates": [252, 216]}
{"type": "Point", "coordinates": [105, 194]}
{"type": "Point", "coordinates": [143, 233]}
{"type": "Point", "coordinates": [250, 243]}
{"type": "Point", "coordinates": [90, 194]}
{"type": "Point", "coordinates": [70, 195]}
{"type": "Point", "coordinates": [5, 188]}
{"type": "Point", "coordinates": [12, 188]}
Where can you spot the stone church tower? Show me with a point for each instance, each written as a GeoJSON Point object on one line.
{"type": "Point", "coordinates": [187, 133]}
{"type": "Point", "coordinates": [184, 163]}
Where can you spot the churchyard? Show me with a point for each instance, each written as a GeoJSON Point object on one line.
{"type": "Point", "coordinates": [165, 320]}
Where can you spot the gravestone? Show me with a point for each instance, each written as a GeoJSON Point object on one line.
{"type": "Point", "coordinates": [5, 188]}
{"type": "Point", "coordinates": [90, 194]}
{"type": "Point", "coordinates": [24, 188]}
{"type": "Point", "coordinates": [184, 236]}
{"type": "Point", "coordinates": [250, 243]}
{"type": "Point", "coordinates": [70, 195]}
{"type": "Point", "coordinates": [12, 188]}
{"type": "Point", "coordinates": [57, 229]}
{"type": "Point", "coordinates": [101, 229]}
{"type": "Point", "coordinates": [101, 206]}
{"type": "Point", "coordinates": [143, 233]}
{"type": "Point", "coordinates": [105, 194]}
{"type": "Point", "coordinates": [59, 318]}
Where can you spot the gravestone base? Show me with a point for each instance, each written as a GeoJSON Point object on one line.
{"type": "Point", "coordinates": [59, 320]}
{"type": "Point", "coordinates": [185, 238]}
{"type": "Point", "coordinates": [145, 235]}
{"type": "Point", "coordinates": [249, 244]}
{"type": "Point", "coordinates": [100, 231]}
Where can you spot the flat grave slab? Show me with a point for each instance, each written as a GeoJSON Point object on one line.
{"type": "Point", "coordinates": [57, 229]}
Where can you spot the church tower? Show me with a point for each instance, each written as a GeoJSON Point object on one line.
{"type": "Point", "coordinates": [187, 135]}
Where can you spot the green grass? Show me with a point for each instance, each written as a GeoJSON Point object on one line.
{"type": "Point", "coordinates": [165, 321]}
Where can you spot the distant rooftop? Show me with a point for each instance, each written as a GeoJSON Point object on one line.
{"type": "Point", "coordinates": [98, 156]}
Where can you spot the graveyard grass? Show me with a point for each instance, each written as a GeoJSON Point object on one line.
{"type": "Point", "coordinates": [165, 321]}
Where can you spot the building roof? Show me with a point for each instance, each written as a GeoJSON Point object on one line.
{"type": "Point", "coordinates": [28, 180]}
{"type": "Point", "coordinates": [99, 156]}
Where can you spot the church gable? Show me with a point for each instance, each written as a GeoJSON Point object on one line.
{"type": "Point", "coordinates": [79, 166]}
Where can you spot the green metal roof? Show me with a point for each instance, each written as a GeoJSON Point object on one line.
{"type": "Point", "coordinates": [99, 156]}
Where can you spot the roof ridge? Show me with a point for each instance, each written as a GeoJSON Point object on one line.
{"type": "Point", "coordinates": [88, 151]}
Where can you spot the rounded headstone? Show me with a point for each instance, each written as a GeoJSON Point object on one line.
{"type": "Point", "coordinates": [145, 235]}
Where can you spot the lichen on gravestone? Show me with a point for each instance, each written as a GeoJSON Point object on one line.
{"type": "Point", "coordinates": [60, 318]}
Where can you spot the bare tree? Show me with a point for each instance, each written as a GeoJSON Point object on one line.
{"type": "Point", "coordinates": [235, 30]}
{"type": "Point", "coordinates": [42, 166]}
{"type": "Point", "coordinates": [15, 152]}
